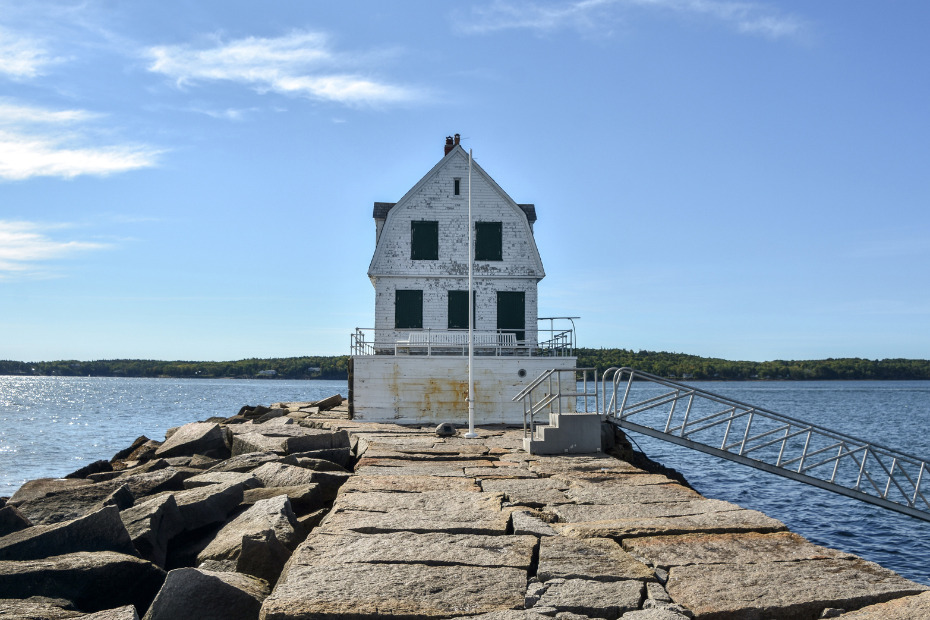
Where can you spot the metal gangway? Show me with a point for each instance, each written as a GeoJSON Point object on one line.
{"type": "Point", "coordinates": [717, 425]}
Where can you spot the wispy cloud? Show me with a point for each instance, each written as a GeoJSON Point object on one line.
{"type": "Point", "coordinates": [23, 57]}
{"type": "Point", "coordinates": [24, 245]}
{"type": "Point", "coordinates": [229, 114]}
{"type": "Point", "coordinates": [11, 113]}
{"type": "Point", "coordinates": [751, 18]}
{"type": "Point", "coordinates": [506, 15]}
{"type": "Point", "coordinates": [38, 142]}
{"type": "Point", "coordinates": [301, 63]}
{"type": "Point", "coordinates": [747, 17]}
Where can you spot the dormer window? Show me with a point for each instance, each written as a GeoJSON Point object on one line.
{"type": "Point", "coordinates": [456, 187]}
{"type": "Point", "coordinates": [489, 241]}
{"type": "Point", "coordinates": [424, 240]}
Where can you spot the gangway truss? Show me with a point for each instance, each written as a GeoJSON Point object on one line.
{"type": "Point", "coordinates": [750, 435]}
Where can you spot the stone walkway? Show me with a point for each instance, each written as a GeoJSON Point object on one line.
{"type": "Point", "coordinates": [432, 527]}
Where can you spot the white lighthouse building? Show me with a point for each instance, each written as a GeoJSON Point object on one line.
{"type": "Point", "coordinates": [413, 365]}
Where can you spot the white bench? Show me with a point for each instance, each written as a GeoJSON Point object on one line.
{"type": "Point", "coordinates": [457, 340]}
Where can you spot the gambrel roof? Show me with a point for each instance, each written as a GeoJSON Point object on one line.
{"type": "Point", "coordinates": [380, 210]}
{"type": "Point", "coordinates": [432, 198]}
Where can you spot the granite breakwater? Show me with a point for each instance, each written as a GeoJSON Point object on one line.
{"type": "Point", "coordinates": [294, 512]}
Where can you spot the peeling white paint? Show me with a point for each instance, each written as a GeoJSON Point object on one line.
{"type": "Point", "coordinates": [422, 389]}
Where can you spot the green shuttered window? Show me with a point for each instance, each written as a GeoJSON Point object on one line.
{"type": "Point", "coordinates": [489, 241]}
{"type": "Point", "coordinates": [458, 309]}
{"type": "Point", "coordinates": [424, 240]}
{"type": "Point", "coordinates": [408, 309]}
{"type": "Point", "coordinates": [511, 313]}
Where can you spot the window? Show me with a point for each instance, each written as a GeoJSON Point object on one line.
{"type": "Point", "coordinates": [424, 240]}
{"type": "Point", "coordinates": [489, 241]}
{"type": "Point", "coordinates": [457, 187]}
{"type": "Point", "coordinates": [408, 309]}
{"type": "Point", "coordinates": [511, 313]}
{"type": "Point", "coordinates": [458, 309]}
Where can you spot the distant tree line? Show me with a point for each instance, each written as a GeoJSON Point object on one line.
{"type": "Point", "coordinates": [313, 367]}
{"type": "Point", "coordinates": [678, 365]}
{"type": "Point", "coordinates": [683, 366]}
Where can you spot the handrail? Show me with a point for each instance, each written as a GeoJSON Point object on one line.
{"type": "Point", "coordinates": [541, 341]}
{"type": "Point", "coordinates": [779, 443]}
{"type": "Point", "coordinates": [522, 393]}
{"type": "Point", "coordinates": [554, 399]}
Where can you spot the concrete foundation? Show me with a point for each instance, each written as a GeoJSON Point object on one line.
{"type": "Point", "coordinates": [432, 389]}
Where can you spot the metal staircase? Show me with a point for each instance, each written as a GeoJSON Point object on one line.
{"type": "Point", "coordinates": [570, 429]}
{"type": "Point", "coordinates": [743, 433]}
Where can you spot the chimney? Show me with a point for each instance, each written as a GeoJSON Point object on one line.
{"type": "Point", "coordinates": [457, 138]}
{"type": "Point", "coordinates": [449, 144]}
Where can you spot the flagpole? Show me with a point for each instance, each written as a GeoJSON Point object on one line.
{"type": "Point", "coordinates": [471, 434]}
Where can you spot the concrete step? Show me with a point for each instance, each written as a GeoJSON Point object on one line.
{"type": "Point", "coordinates": [567, 433]}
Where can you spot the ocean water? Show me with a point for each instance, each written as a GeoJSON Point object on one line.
{"type": "Point", "coordinates": [51, 426]}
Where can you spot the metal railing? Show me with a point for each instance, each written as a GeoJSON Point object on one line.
{"type": "Point", "coordinates": [766, 440]}
{"type": "Point", "coordinates": [561, 340]}
{"type": "Point", "coordinates": [554, 392]}
{"type": "Point", "coordinates": [546, 341]}
{"type": "Point", "coordinates": [361, 344]}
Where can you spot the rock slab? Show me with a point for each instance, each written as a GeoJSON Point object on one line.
{"type": "Point", "coordinates": [601, 599]}
{"type": "Point", "coordinates": [152, 524]}
{"type": "Point", "coordinates": [370, 591]}
{"type": "Point", "coordinates": [92, 581]}
{"type": "Point", "coordinates": [99, 531]}
{"type": "Point", "coordinates": [784, 589]}
{"type": "Point", "coordinates": [12, 520]}
{"type": "Point", "coordinates": [600, 559]}
{"type": "Point", "coordinates": [206, 595]}
{"type": "Point", "coordinates": [907, 608]}
{"type": "Point", "coordinates": [38, 608]}
{"type": "Point", "coordinates": [195, 438]}
{"type": "Point", "coordinates": [259, 541]}
{"type": "Point", "coordinates": [747, 547]}
{"type": "Point", "coordinates": [409, 548]}
{"type": "Point", "coordinates": [128, 612]}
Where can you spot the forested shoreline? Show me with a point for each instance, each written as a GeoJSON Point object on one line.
{"type": "Point", "coordinates": [683, 366]}
{"type": "Point", "coordinates": [311, 367]}
{"type": "Point", "coordinates": [673, 365]}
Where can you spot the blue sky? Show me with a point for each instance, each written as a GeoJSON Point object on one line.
{"type": "Point", "coordinates": [727, 178]}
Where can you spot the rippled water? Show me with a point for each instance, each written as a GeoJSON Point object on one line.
{"type": "Point", "coordinates": [50, 426]}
